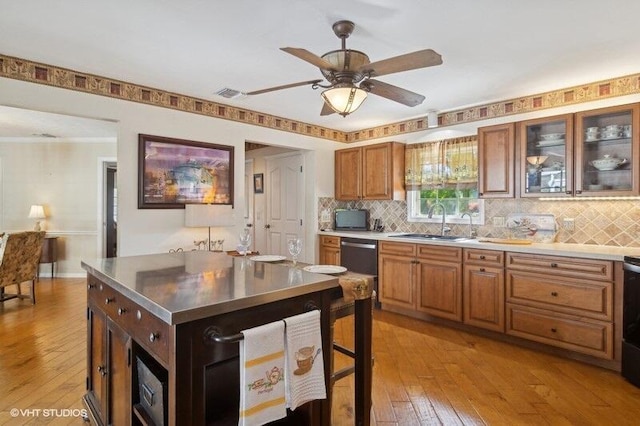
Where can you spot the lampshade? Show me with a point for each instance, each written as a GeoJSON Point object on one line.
{"type": "Point", "coordinates": [344, 99]}
{"type": "Point", "coordinates": [208, 215]}
{"type": "Point", "coordinates": [36, 212]}
{"type": "Point", "coordinates": [537, 160]}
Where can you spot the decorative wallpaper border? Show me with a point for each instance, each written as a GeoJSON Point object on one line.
{"type": "Point", "coordinates": [34, 72]}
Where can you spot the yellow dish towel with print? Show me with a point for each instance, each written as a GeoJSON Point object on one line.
{"type": "Point", "coordinates": [262, 392]}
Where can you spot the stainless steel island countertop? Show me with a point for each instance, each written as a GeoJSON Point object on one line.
{"type": "Point", "coordinates": [186, 286]}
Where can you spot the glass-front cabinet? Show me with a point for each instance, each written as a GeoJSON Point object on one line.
{"type": "Point", "coordinates": [546, 156]}
{"type": "Point", "coordinates": [590, 153]}
{"type": "Point", "coordinates": [607, 151]}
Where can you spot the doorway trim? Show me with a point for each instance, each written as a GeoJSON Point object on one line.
{"type": "Point", "coordinates": [101, 214]}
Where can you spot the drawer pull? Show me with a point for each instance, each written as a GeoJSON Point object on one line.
{"type": "Point", "coordinates": [108, 300]}
{"type": "Point", "coordinates": [554, 293]}
{"type": "Point", "coordinates": [481, 269]}
{"type": "Point", "coordinates": [122, 311]}
{"type": "Point", "coordinates": [102, 370]}
{"type": "Point", "coordinates": [482, 257]}
{"type": "Point", "coordinates": [554, 265]}
{"type": "Point", "coordinates": [90, 286]}
{"type": "Point", "coordinates": [153, 337]}
{"type": "Point", "coordinates": [554, 330]}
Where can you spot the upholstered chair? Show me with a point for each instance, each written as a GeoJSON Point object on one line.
{"type": "Point", "coordinates": [19, 263]}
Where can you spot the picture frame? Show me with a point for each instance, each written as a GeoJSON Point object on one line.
{"type": "Point", "coordinates": [258, 183]}
{"type": "Point", "coordinates": [175, 172]}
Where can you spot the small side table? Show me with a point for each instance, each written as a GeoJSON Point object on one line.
{"type": "Point", "coordinates": [49, 253]}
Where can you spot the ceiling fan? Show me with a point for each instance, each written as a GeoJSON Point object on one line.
{"type": "Point", "coordinates": [349, 74]}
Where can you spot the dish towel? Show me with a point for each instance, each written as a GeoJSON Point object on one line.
{"type": "Point", "coordinates": [304, 368]}
{"type": "Point", "coordinates": [262, 363]}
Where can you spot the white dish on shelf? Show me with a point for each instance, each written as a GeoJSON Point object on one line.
{"type": "Point", "coordinates": [551, 142]}
{"type": "Point", "coordinates": [325, 269]}
{"type": "Point", "coordinates": [267, 258]}
{"type": "Point", "coordinates": [552, 136]}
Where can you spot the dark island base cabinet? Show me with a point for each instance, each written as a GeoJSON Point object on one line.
{"type": "Point", "coordinates": [201, 377]}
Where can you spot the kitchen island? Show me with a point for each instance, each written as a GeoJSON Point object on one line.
{"type": "Point", "coordinates": [167, 317]}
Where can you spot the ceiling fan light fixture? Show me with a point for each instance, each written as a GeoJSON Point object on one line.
{"type": "Point", "coordinates": [344, 99]}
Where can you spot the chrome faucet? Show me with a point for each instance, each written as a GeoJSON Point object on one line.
{"type": "Point", "coordinates": [470, 223]}
{"type": "Point", "coordinates": [444, 215]}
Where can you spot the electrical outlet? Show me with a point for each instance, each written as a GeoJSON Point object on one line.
{"type": "Point", "coordinates": [498, 221]}
{"type": "Point", "coordinates": [325, 216]}
{"type": "Point", "coordinates": [569, 224]}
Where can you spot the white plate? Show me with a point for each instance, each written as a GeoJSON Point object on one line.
{"type": "Point", "coordinates": [267, 258]}
{"type": "Point", "coordinates": [551, 142]}
{"type": "Point", "coordinates": [325, 269]}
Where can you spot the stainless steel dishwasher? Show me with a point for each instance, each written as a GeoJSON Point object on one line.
{"type": "Point", "coordinates": [361, 255]}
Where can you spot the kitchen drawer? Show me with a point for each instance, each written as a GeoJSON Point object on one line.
{"type": "Point", "coordinates": [492, 258]}
{"type": "Point", "coordinates": [149, 331]}
{"type": "Point", "coordinates": [330, 241]}
{"type": "Point", "coordinates": [146, 329]}
{"type": "Point", "coordinates": [402, 249]}
{"type": "Point", "coordinates": [593, 299]}
{"type": "Point", "coordinates": [441, 253]}
{"type": "Point", "coordinates": [582, 335]}
{"type": "Point", "coordinates": [562, 266]}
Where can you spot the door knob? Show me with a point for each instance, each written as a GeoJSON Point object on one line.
{"type": "Point", "coordinates": [267, 226]}
{"type": "Point", "coordinates": [249, 225]}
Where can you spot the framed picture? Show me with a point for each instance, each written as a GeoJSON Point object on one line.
{"type": "Point", "coordinates": [258, 183]}
{"type": "Point", "coordinates": [175, 172]}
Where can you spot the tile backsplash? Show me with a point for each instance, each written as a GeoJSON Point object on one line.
{"type": "Point", "coordinates": [601, 222]}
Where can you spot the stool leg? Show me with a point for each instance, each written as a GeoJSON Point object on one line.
{"type": "Point", "coordinates": [363, 364]}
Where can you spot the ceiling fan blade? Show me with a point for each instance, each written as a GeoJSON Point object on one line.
{"type": "Point", "coordinates": [392, 92]}
{"type": "Point", "coordinates": [305, 55]}
{"type": "Point", "coordinates": [286, 86]}
{"type": "Point", "coordinates": [409, 61]}
{"type": "Point", "coordinates": [326, 109]}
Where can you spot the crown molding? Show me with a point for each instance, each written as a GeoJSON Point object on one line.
{"type": "Point", "coordinates": [51, 75]}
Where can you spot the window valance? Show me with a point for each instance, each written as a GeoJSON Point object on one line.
{"type": "Point", "coordinates": [444, 163]}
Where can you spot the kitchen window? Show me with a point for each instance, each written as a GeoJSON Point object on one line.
{"type": "Point", "coordinates": [443, 172]}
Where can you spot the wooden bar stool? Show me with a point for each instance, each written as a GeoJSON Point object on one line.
{"type": "Point", "coordinates": [359, 303]}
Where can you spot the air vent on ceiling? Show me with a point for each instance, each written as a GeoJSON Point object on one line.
{"type": "Point", "coordinates": [230, 93]}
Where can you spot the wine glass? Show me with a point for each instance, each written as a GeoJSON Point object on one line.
{"type": "Point", "coordinates": [245, 240]}
{"type": "Point", "coordinates": [295, 247]}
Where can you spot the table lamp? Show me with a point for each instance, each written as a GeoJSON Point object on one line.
{"type": "Point", "coordinates": [37, 212]}
{"type": "Point", "coordinates": [209, 216]}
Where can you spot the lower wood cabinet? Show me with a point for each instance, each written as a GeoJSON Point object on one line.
{"type": "Point", "coordinates": [483, 289]}
{"type": "Point", "coordinates": [329, 250]}
{"type": "Point", "coordinates": [421, 277]}
{"type": "Point", "coordinates": [561, 301]}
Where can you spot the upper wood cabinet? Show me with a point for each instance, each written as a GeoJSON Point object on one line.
{"type": "Point", "coordinates": [372, 172]}
{"type": "Point", "coordinates": [496, 161]}
{"type": "Point", "coordinates": [590, 153]}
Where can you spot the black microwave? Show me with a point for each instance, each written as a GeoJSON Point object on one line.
{"type": "Point", "coordinates": [351, 220]}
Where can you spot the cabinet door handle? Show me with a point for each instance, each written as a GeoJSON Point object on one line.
{"type": "Point", "coordinates": [554, 293]}
{"type": "Point", "coordinates": [153, 337]}
{"type": "Point", "coordinates": [554, 265]}
{"type": "Point", "coordinates": [102, 370]}
{"type": "Point", "coordinates": [90, 286]}
{"type": "Point", "coordinates": [122, 311]}
{"type": "Point", "coordinates": [108, 300]}
{"type": "Point", "coordinates": [554, 330]}
{"type": "Point", "coordinates": [482, 257]}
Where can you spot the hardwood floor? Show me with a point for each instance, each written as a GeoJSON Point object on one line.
{"type": "Point", "coordinates": [423, 375]}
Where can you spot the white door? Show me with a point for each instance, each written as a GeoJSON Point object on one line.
{"type": "Point", "coordinates": [285, 202]}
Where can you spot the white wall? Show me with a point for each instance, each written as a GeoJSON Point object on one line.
{"type": "Point", "coordinates": [62, 176]}
{"type": "Point", "coordinates": [157, 230]}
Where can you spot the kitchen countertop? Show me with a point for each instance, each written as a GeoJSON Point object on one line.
{"type": "Point", "coordinates": [588, 251]}
{"type": "Point", "coordinates": [186, 286]}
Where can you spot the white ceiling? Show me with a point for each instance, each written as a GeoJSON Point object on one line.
{"type": "Point", "coordinates": [492, 49]}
